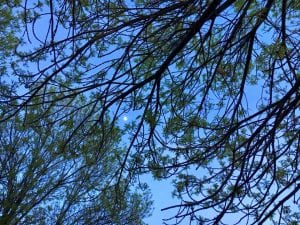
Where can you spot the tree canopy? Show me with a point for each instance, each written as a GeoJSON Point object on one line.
{"type": "Point", "coordinates": [42, 181]}
{"type": "Point", "coordinates": [212, 88]}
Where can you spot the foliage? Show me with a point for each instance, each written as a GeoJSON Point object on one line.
{"type": "Point", "coordinates": [45, 181]}
{"type": "Point", "coordinates": [212, 87]}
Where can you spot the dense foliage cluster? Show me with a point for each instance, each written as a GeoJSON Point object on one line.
{"type": "Point", "coordinates": [212, 88]}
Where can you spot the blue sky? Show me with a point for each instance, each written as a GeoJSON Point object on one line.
{"type": "Point", "coordinates": [162, 190]}
{"type": "Point", "coordinates": [162, 196]}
